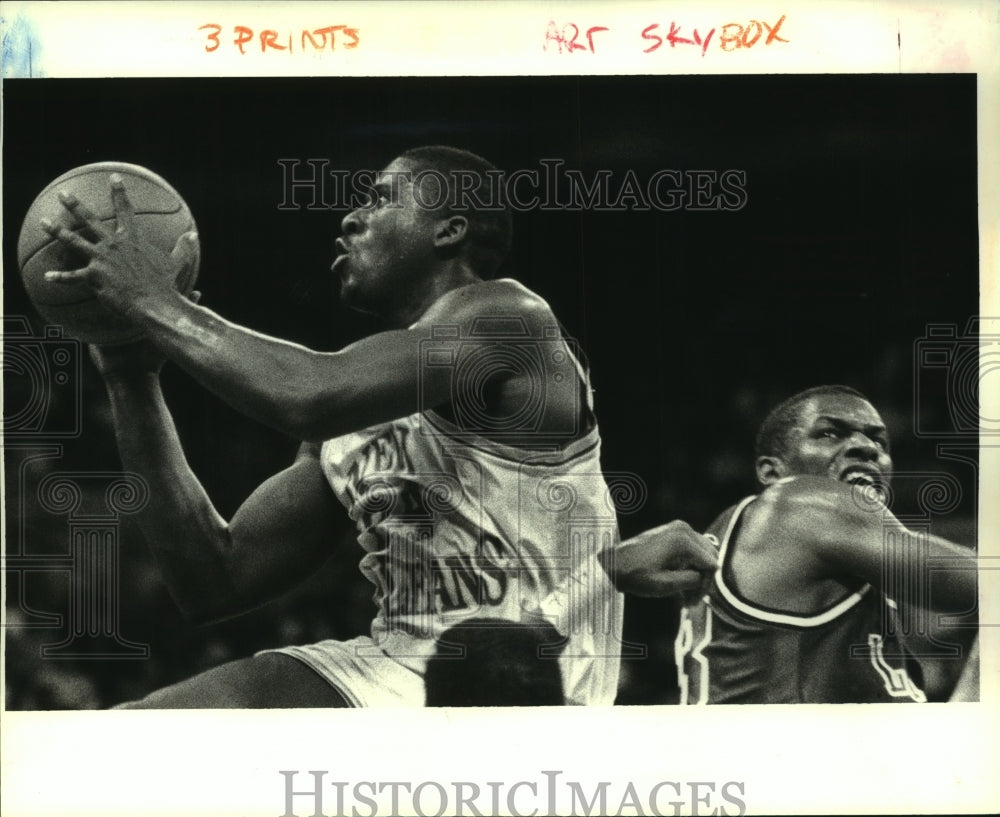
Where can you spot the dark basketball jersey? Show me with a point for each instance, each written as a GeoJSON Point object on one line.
{"type": "Point", "coordinates": [731, 650]}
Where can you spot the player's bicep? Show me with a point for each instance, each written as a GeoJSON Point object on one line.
{"type": "Point", "coordinates": [377, 379]}
{"type": "Point", "coordinates": [463, 344]}
{"type": "Point", "coordinates": [824, 529]}
{"type": "Point", "coordinates": [838, 530]}
{"type": "Point", "coordinates": [284, 531]}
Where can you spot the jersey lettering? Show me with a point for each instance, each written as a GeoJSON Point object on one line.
{"type": "Point", "coordinates": [439, 547]}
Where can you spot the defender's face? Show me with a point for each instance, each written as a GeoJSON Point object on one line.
{"type": "Point", "coordinates": [385, 245]}
{"type": "Point", "coordinates": [839, 436]}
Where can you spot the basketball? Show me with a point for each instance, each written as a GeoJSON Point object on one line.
{"type": "Point", "coordinates": [161, 218]}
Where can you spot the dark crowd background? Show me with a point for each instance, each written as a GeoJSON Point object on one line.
{"type": "Point", "coordinates": [859, 232]}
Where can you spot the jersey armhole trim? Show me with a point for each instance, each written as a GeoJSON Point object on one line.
{"type": "Point", "coordinates": [555, 454]}
{"type": "Point", "coordinates": [760, 613]}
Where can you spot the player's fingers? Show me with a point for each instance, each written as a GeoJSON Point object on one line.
{"type": "Point", "coordinates": [124, 212]}
{"type": "Point", "coordinates": [75, 276]}
{"type": "Point", "coordinates": [695, 593]}
{"type": "Point", "coordinates": [83, 216]}
{"type": "Point", "coordinates": [187, 250]}
{"type": "Point", "coordinates": [655, 533]}
{"type": "Point", "coordinates": [689, 543]}
{"type": "Point", "coordinates": [685, 546]}
{"type": "Point", "coordinates": [187, 256]}
{"type": "Point", "coordinates": [702, 553]}
{"type": "Point", "coordinates": [671, 582]}
{"type": "Point", "coordinates": [69, 238]}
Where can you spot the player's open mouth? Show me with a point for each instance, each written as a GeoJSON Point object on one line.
{"type": "Point", "coordinates": [856, 475]}
{"type": "Point", "coordinates": [342, 252]}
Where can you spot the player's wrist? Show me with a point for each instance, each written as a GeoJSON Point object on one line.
{"type": "Point", "coordinates": [163, 311]}
{"type": "Point", "coordinates": [146, 307]}
{"type": "Point", "coordinates": [124, 382]}
{"type": "Point", "coordinates": [127, 370]}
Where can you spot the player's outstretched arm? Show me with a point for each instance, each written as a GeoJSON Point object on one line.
{"type": "Point", "coordinates": [315, 396]}
{"type": "Point", "coordinates": [307, 394]}
{"type": "Point", "coordinates": [663, 561]}
{"type": "Point", "coordinates": [284, 531]}
{"type": "Point", "coordinates": [837, 529]}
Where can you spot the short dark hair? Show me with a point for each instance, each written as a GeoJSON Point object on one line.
{"type": "Point", "coordinates": [772, 438]}
{"type": "Point", "coordinates": [494, 662]}
{"type": "Point", "coordinates": [489, 235]}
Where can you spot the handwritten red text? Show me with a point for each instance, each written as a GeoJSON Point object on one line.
{"type": "Point", "coordinates": [729, 37]}
{"type": "Point", "coordinates": [734, 35]}
{"type": "Point", "coordinates": [566, 38]}
{"type": "Point", "coordinates": [325, 39]}
{"type": "Point", "coordinates": [675, 37]}
{"type": "Point", "coordinates": [570, 38]}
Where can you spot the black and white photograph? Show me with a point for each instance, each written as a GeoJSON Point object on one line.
{"type": "Point", "coordinates": [614, 393]}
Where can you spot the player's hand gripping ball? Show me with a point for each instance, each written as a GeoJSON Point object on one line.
{"type": "Point", "coordinates": [159, 218]}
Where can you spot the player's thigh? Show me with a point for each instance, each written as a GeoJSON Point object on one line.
{"type": "Point", "coordinates": [268, 681]}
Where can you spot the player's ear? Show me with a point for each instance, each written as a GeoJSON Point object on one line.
{"type": "Point", "coordinates": [451, 231]}
{"type": "Point", "coordinates": [770, 469]}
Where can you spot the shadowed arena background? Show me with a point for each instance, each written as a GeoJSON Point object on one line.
{"type": "Point", "coordinates": [859, 230]}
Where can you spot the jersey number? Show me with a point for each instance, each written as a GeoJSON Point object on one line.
{"type": "Point", "coordinates": [685, 644]}
{"type": "Point", "coordinates": [897, 683]}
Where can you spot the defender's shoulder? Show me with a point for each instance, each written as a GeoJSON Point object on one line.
{"type": "Point", "coordinates": [821, 494]}
{"type": "Point", "coordinates": [811, 508]}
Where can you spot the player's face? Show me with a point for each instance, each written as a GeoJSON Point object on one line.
{"type": "Point", "coordinates": [839, 436]}
{"type": "Point", "coordinates": [386, 244]}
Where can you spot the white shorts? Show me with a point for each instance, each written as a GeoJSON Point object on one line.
{"type": "Point", "coordinates": [364, 674]}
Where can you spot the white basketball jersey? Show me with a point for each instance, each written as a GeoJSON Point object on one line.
{"type": "Point", "coordinates": [455, 526]}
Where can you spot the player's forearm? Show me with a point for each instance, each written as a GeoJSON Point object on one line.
{"type": "Point", "coordinates": [913, 566]}
{"type": "Point", "coordinates": [184, 531]}
{"type": "Point", "coordinates": [273, 381]}
{"type": "Point", "coordinates": [952, 575]}
{"type": "Point", "coordinates": [847, 533]}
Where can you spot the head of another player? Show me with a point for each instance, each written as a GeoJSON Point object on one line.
{"type": "Point", "coordinates": [829, 431]}
{"type": "Point", "coordinates": [492, 662]}
{"type": "Point", "coordinates": [435, 213]}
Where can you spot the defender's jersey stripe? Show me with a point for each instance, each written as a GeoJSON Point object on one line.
{"type": "Point", "coordinates": [775, 616]}
{"type": "Point", "coordinates": [730, 651]}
